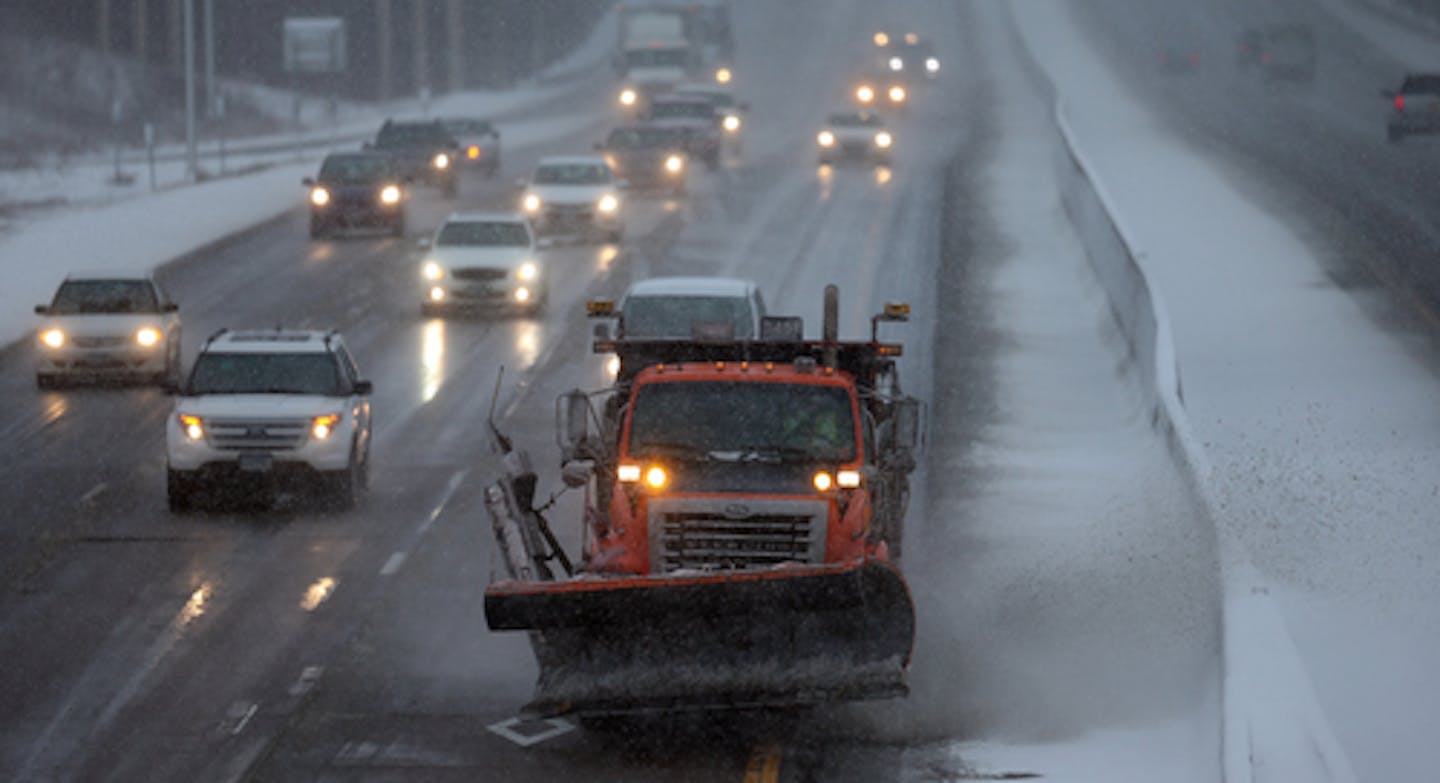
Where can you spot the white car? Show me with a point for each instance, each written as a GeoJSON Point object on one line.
{"type": "Point", "coordinates": [118, 325]}
{"type": "Point", "coordinates": [684, 307]}
{"type": "Point", "coordinates": [577, 195]}
{"type": "Point", "coordinates": [855, 135]}
{"type": "Point", "coordinates": [269, 409]}
{"type": "Point", "coordinates": [483, 260]}
{"type": "Point", "coordinates": [479, 142]}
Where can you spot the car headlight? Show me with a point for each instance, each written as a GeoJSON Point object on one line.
{"type": "Point", "coordinates": [826, 139]}
{"type": "Point", "coordinates": [881, 39]}
{"type": "Point", "coordinates": [322, 427]}
{"type": "Point", "coordinates": [390, 194]}
{"type": "Point", "coordinates": [472, 152]}
{"type": "Point", "coordinates": [883, 140]}
{"type": "Point", "coordinates": [612, 162]}
{"type": "Point", "coordinates": [865, 93]}
{"type": "Point", "coordinates": [723, 75]}
{"type": "Point", "coordinates": [531, 202]}
{"type": "Point", "coordinates": [148, 336]}
{"type": "Point", "coordinates": [193, 428]}
{"type": "Point", "coordinates": [432, 271]}
{"type": "Point", "coordinates": [628, 97]}
{"type": "Point", "coordinates": [674, 164]}
{"type": "Point", "coordinates": [897, 64]}
{"type": "Point", "coordinates": [608, 203]}
{"type": "Point", "coordinates": [437, 294]}
{"type": "Point", "coordinates": [522, 294]}
{"type": "Point", "coordinates": [897, 94]}
{"type": "Point", "coordinates": [932, 64]}
{"type": "Point", "coordinates": [731, 123]}
{"type": "Point", "coordinates": [53, 338]}
{"type": "Point", "coordinates": [319, 196]}
{"type": "Point", "coordinates": [528, 271]}
{"type": "Point", "coordinates": [442, 161]}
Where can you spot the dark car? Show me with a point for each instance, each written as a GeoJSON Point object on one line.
{"type": "Point", "coordinates": [696, 122]}
{"type": "Point", "coordinates": [356, 189]}
{"type": "Point", "coordinates": [423, 151]}
{"type": "Point", "coordinates": [479, 142]}
{"type": "Point", "coordinates": [1415, 107]}
{"type": "Point", "coordinates": [647, 156]}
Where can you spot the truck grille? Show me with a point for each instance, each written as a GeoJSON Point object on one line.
{"type": "Point", "coordinates": [271, 435]}
{"type": "Point", "coordinates": [725, 534]}
{"type": "Point", "coordinates": [478, 273]}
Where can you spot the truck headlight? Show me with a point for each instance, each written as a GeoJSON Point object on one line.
{"type": "Point", "coordinates": [531, 202]}
{"type": "Point", "coordinates": [322, 427]}
{"type": "Point", "coordinates": [731, 123]}
{"type": "Point", "coordinates": [822, 481]}
{"type": "Point", "coordinates": [522, 294]}
{"type": "Point", "coordinates": [897, 64]}
{"type": "Point", "coordinates": [390, 194]}
{"type": "Point", "coordinates": [608, 203]}
{"type": "Point", "coordinates": [627, 473]}
{"type": "Point", "coordinates": [674, 164]}
{"type": "Point", "coordinates": [847, 479]}
{"type": "Point", "coordinates": [148, 336]}
{"type": "Point", "coordinates": [826, 139]}
{"type": "Point", "coordinates": [319, 196]}
{"type": "Point", "coordinates": [437, 294]}
{"type": "Point", "coordinates": [628, 97]}
{"type": "Point", "coordinates": [865, 93]}
{"type": "Point", "coordinates": [656, 477]}
{"type": "Point", "coordinates": [193, 428]}
{"type": "Point", "coordinates": [528, 271]}
{"type": "Point", "coordinates": [897, 94]}
{"type": "Point", "coordinates": [883, 140]}
{"type": "Point", "coordinates": [442, 161]}
{"type": "Point", "coordinates": [932, 64]}
{"type": "Point", "coordinates": [432, 271]}
{"type": "Point", "coordinates": [881, 39]}
{"type": "Point", "coordinates": [53, 338]}
{"type": "Point", "coordinates": [723, 75]}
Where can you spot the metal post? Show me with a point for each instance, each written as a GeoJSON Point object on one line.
{"type": "Point", "coordinates": [420, 41]}
{"type": "Point", "coordinates": [220, 115]}
{"type": "Point", "coordinates": [192, 164]}
{"type": "Point", "coordinates": [454, 44]}
{"type": "Point", "coordinates": [102, 27]}
{"type": "Point", "coordinates": [383, 42]}
{"type": "Point", "coordinates": [209, 21]}
{"type": "Point", "coordinates": [150, 151]}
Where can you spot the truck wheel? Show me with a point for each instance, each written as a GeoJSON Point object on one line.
{"type": "Point", "coordinates": [179, 491]}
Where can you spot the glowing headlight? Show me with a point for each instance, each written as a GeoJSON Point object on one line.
{"type": "Point", "coordinates": [826, 139]}
{"type": "Point", "coordinates": [931, 64]}
{"type": "Point", "coordinates": [897, 94]}
{"type": "Point", "coordinates": [731, 123]}
{"type": "Point", "coordinates": [522, 294]}
{"type": "Point", "coordinates": [611, 161]}
{"type": "Point", "coordinates": [656, 478]}
{"type": "Point", "coordinates": [472, 152]}
{"type": "Point", "coordinates": [608, 203]}
{"type": "Point", "coordinates": [323, 426]}
{"type": "Point", "coordinates": [390, 195]}
{"type": "Point", "coordinates": [883, 140]}
{"type": "Point", "coordinates": [192, 427]}
{"type": "Point", "coordinates": [847, 479]}
{"type": "Point", "coordinates": [53, 338]}
{"type": "Point", "coordinates": [881, 39]}
{"type": "Point", "coordinates": [723, 75]}
{"type": "Point", "coordinates": [148, 336]}
{"type": "Point", "coordinates": [865, 93]}
{"type": "Point", "coordinates": [627, 473]}
{"type": "Point", "coordinates": [528, 271]}
{"type": "Point", "coordinates": [319, 197]}
{"type": "Point", "coordinates": [674, 164]}
{"type": "Point", "coordinates": [531, 202]}
{"type": "Point", "coordinates": [442, 161]}
{"type": "Point", "coordinates": [437, 294]}
{"type": "Point", "coordinates": [823, 481]}
{"type": "Point", "coordinates": [628, 97]}
{"type": "Point", "coordinates": [897, 64]}
{"type": "Point", "coordinates": [432, 271]}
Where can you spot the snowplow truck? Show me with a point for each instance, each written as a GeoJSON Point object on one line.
{"type": "Point", "coordinates": [744, 506]}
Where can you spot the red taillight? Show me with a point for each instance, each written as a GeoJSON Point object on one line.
{"type": "Point", "coordinates": [1399, 103]}
{"type": "Point", "coordinates": [1265, 58]}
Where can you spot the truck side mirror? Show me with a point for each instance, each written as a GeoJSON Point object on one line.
{"type": "Point", "coordinates": [576, 473]}
{"type": "Point", "coordinates": [170, 307]}
{"type": "Point", "coordinates": [42, 309]}
{"type": "Point", "coordinates": [905, 424]}
{"type": "Point", "coordinates": [572, 423]}
{"type": "Point", "coordinates": [308, 182]}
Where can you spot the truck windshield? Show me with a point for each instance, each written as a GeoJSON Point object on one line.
{"type": "Point", "coordinates": [266, 373]}
{"type": "Point", "coordinates": [776, 421]}
{"type": "Point", "coordinates": [657, 58]}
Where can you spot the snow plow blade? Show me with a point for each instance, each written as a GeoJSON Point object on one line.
{"type": "Point", "coordinates": [783, 637]}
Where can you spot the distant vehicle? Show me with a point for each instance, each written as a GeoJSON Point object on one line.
{"type": "Point", "coordinates": [697, 120]}
{"type": "Point", "coordinates": [908, 56]}
{"type": "Point", "coordinates": [647, 156]}
{"type": "Point", "coordinates": [574, 195]}
{"type": "Point", "coordinates": [1280, 51]}
{"type": "Point", "coordinates": [720, 95]}
{"type": "Point", "coordinates": [108, 325]}
{"type": "Point", "coordinates": [423, 151]}
{"type": "Point", "coordinates": [1178, 58]}
{"type": "Point", "coordinates": [356, 189]}
{"type": "Point", "coordinates": [1415, 107]}
{"type": "Point", "coordinates": [479, 142]}
{"type": "Point", "coordinates": [881, 91]}
{"type": "Point", "coordinates": [270, 409]}
{"type": "Point", "coordinates": [483, 260]}
{"type": "Point", "coordinates": [686, 308]}
{"type": "Point", "coordinates": [855, 135]}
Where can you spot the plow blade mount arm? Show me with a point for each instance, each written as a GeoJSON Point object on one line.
{"type": "Point", "coordinates": [782, 637]}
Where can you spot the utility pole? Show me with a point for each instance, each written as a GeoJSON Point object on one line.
{"type": "Point", "coordinates": [102, 27]}
{"type": "Point", "coordinates": [210, 94]}
{"type": "Point", "coordinates": [175, 24]}
{"type": "Point", "coordinates": [454, 43]}
{"type": "Point", "coordinates": [138, 29]}
{"type": "Point", "coordinates": [421, 43]}
{"type": "Point", "coordinates": [192, 164]}
{"type": "Point", "coordinates": [385, 43]}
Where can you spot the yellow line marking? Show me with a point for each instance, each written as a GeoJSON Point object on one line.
{"type": "Point", "coordinates": [763, 765]}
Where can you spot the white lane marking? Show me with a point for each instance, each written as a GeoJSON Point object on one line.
{"type": "Point", "coordinates": [525, 733]}
{"type": "Point", "coordinates": [242, 715]}
{"type": "Point", "coordinates": [308, 677]}
{"type": "Point", "coordinates": [93, 493]}
{"type": "Point", "coordinates": [393, 564]}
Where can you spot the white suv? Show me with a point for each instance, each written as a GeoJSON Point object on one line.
{"type": "Point", "coordinates": [268, 408]}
